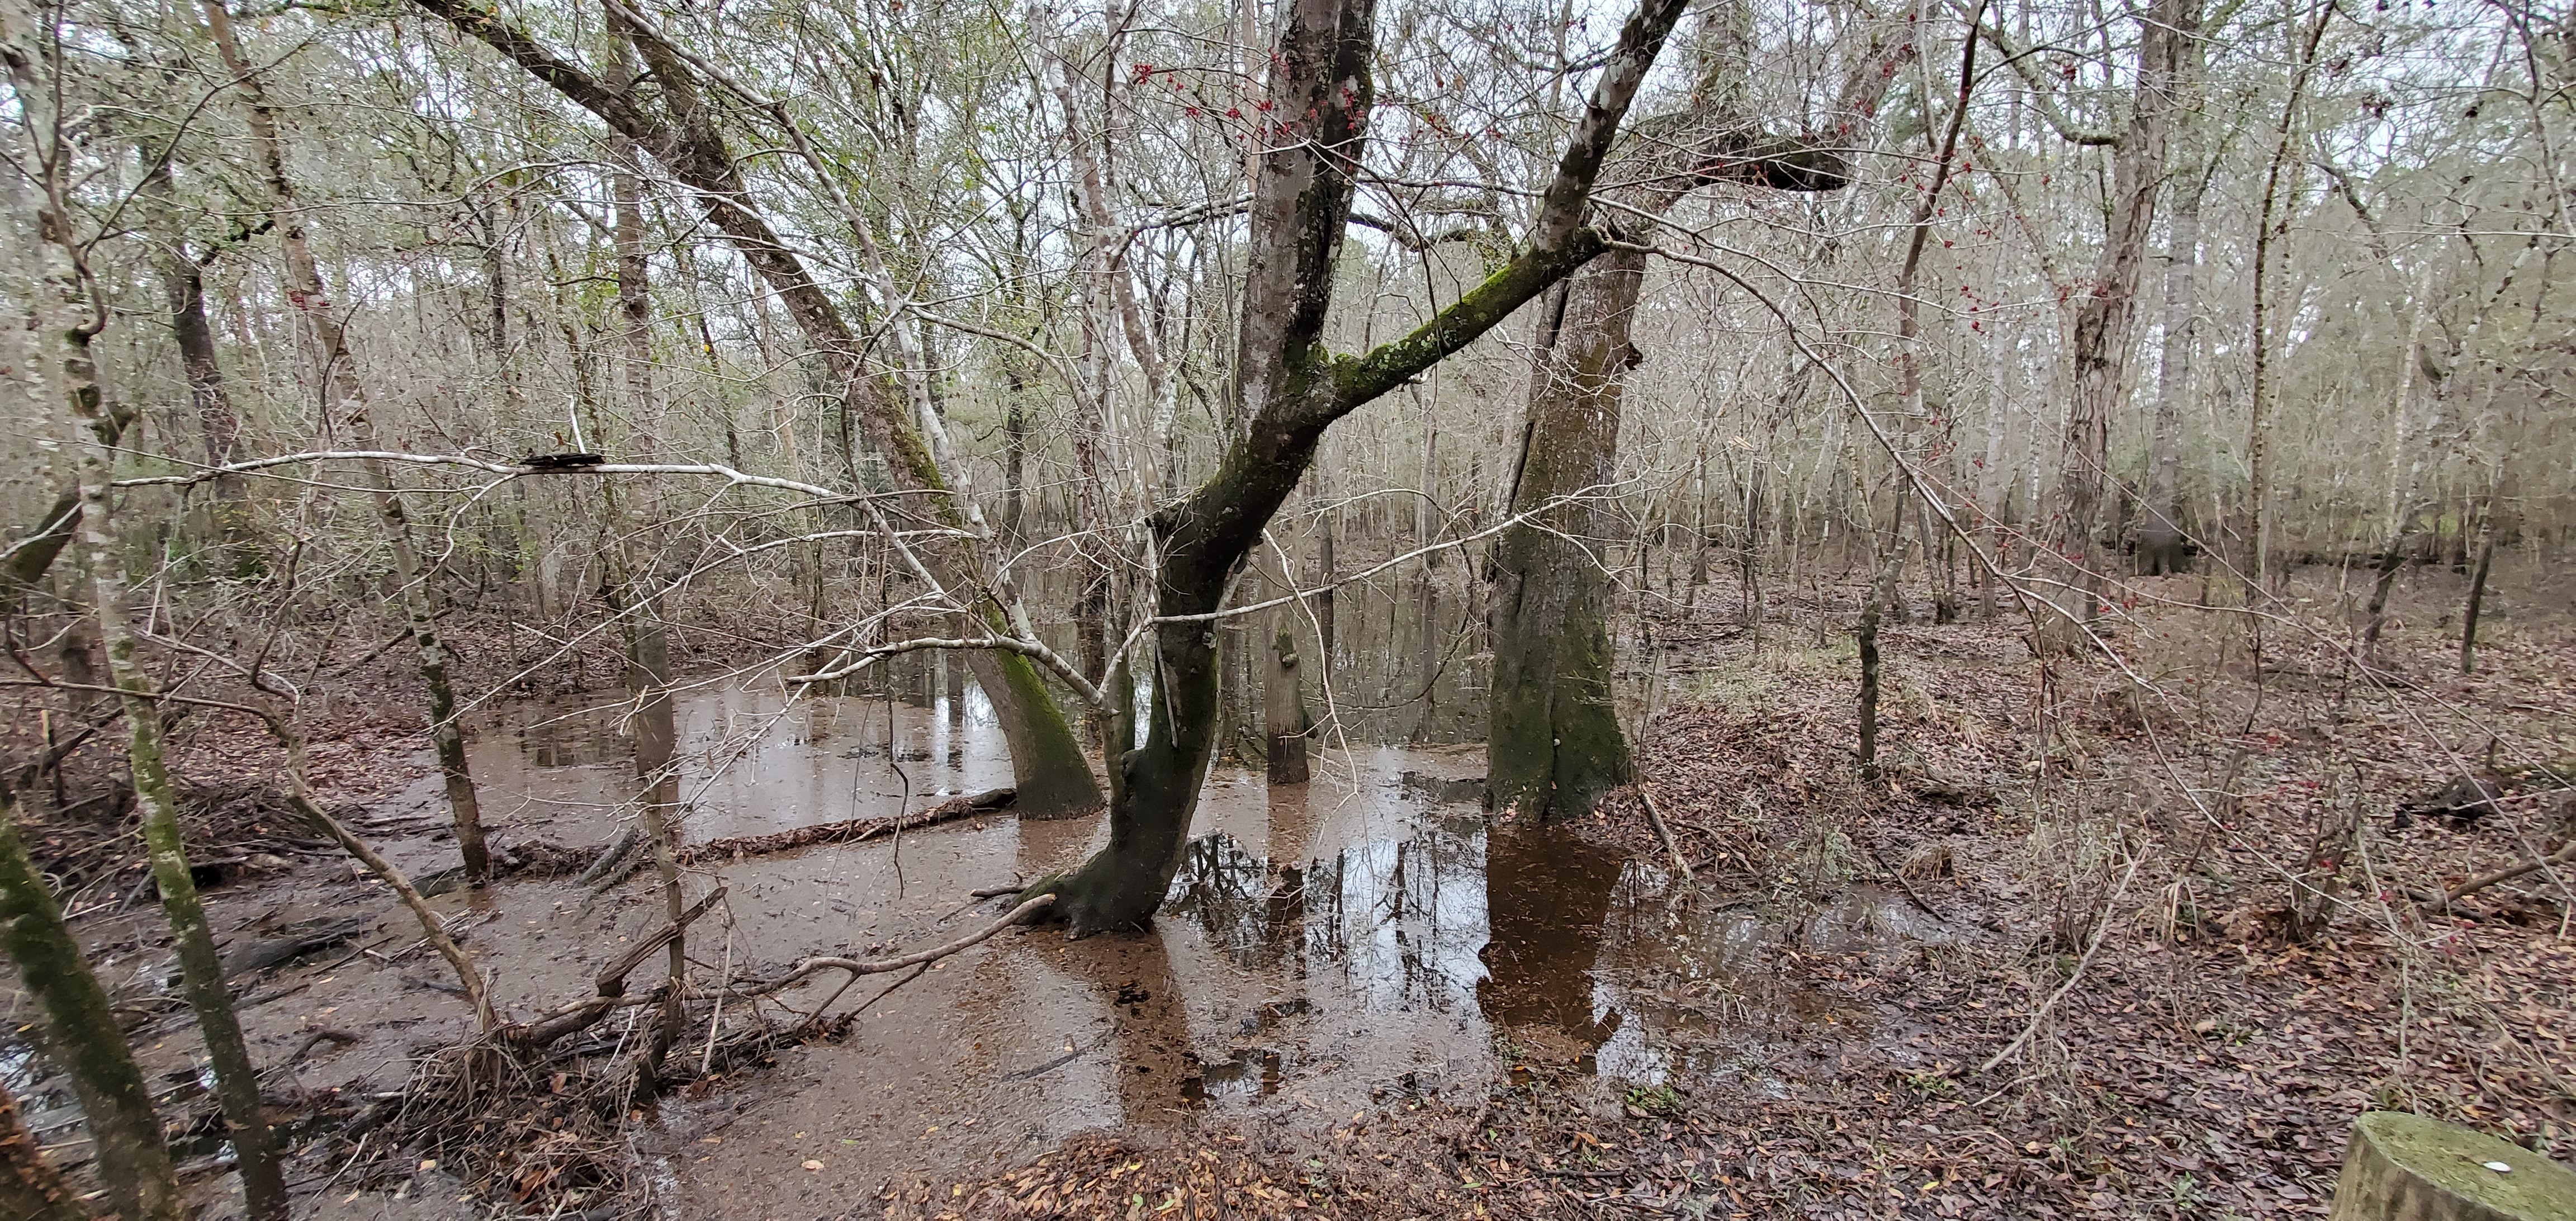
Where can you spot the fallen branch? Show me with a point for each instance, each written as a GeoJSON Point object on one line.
{"type": "Point", "coordinates": [847, 831]}
{"type": "Point", "coordinates": [1663, 832]}
{"type": "Point", "coordinates": [2566, 852]}
{"type": "Point", "coordinates": [609, 985]}
{"type": "Point", "coordinates": [433, 929]}
{"type": "Point", "coordinates": [878, 966]}
{"type": "Point", "coordinates": [1898, 876]}
{"type": "Point", "coordinates": [2100, 935]}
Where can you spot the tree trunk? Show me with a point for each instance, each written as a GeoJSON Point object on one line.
{"type": "Point", "coordinates": [648, 637]}
{"type": "Point", "coordinates": [2386, 579]}
{"type": "Point", "coordinates": [2403, 1167]}
{"type": "Point", "coordinates": [343, 401]}
{"type": "Point", "coordinates": [200, 966]}
{"type": "Point", "coordinates": [1554, 744]}
{"type": "Point", "coordinates": [1291, 389]}
{"type": "Point", "coordinates": [1882, 591]}
{"type": "Point", "coordinates": [83, 1036]}
{"type": "Point", "coordinates": [218, 425]}
{"type": "Point", "coordinates": [2478, 590]}
{"type": "Point", "coordinates": [1054, 780]}
{"type": "Point", "coordinates": [1327, 573]}
{"type": "Point", "coordinates": [2099, 349]}
{"type": "Point", "coordinates": [1283, 700]}
{"type": "Point", "coordinates": [2161, 549]}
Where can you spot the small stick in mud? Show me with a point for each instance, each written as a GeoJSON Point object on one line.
{"type": "Point", "coordinates": [1663, 832]}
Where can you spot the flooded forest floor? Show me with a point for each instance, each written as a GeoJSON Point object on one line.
{"type": "Point", "coordinates": [2082, 947]}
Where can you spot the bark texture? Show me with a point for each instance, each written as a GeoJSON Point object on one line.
{"type": "Point", "coordinates": [30, 1190]}
{"type": "Point", "coordinates": [82, 1034]}
{"type": "Point", "coordinates": [2104, 323]}
{"type": "Point", "coordinates": [1554, 739]}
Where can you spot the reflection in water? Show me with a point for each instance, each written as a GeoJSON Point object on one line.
{"type": "Point", "coordinates": [1547, 894]}
{"type": "Point", "coordinates": [1323, 942]}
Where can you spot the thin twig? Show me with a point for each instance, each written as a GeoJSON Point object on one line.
{"type": "Point", "coordinates": [2100, 935]}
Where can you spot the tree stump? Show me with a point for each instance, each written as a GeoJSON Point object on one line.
{"type": "Point", "coordinates": [2404, 1167]}
{"type": "Point", "coordinates": [1284, 712]}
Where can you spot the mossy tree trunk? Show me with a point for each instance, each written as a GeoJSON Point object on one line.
{"type": "Point", "coordinates": [82, 1034]}
{"type": "Point", "coordinates": [1291, 390]}
{"type": "Point", "coordinates": [2403, 1167]}
{"type": "Point", "coordinates": [1283, 699]}
{"type": "Point", "coordinates": [1554, 743]}
{"type": "Point", "coordinates": [80, 1028]}
{"type": "Point", "coordinates": [156, 798]}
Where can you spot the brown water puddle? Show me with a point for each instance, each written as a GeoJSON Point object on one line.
{"type": "Point", "coordinates": [1326, 947]}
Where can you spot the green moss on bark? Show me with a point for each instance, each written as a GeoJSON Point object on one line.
{"type": "Point", "coordinates": [82, 1034]}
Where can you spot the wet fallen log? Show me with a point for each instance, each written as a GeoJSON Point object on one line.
{"type": "Point", "coordinates": [295, 943]}
{"type": "Point", "coordinates": [847, 831]}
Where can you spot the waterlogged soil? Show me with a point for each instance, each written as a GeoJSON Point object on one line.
{"type": "Point", "coordinates": [1366, 939]}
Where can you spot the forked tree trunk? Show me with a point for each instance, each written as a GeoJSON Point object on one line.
{"type": "Point", "coordinates": [343, 400]}
{"type": "Point", "coordinates": [2099, 348]}
{"type": "Point", "coordinates": [1291, 390]}
{"type": "Point", "coordinates": [1554, 742]}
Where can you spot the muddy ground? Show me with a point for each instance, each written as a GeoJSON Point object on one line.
{"type": "Point", "coordinates": [2181, 922]}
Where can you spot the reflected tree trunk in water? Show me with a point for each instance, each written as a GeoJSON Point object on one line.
{"type": "Point", "coordinates": [1547, 895]}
